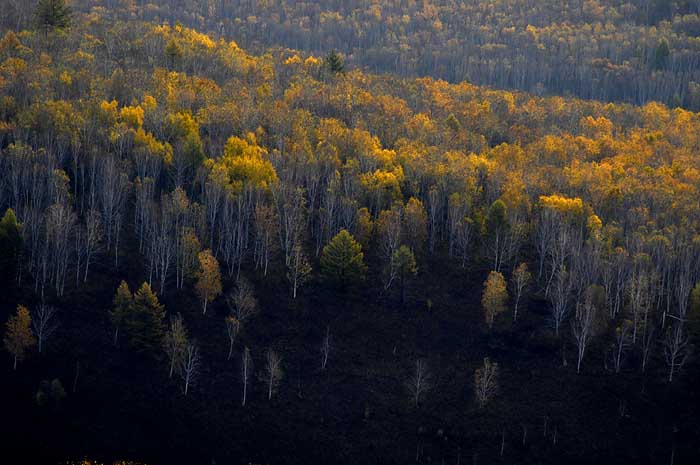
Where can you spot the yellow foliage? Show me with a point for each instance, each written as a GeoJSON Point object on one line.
{"type": "Point", "coordinates": [563, 205]}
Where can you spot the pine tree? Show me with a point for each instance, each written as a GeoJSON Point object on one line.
{"type": "Point", "coordinates": [334, 63]}
{"type": "Point", "coordinates": [405, 262]}
{"type": "Point", "coordinates": [19, 337]}
{"type": "Point", "coordinates": [144, 321]}
{"type": "Point", "coordinates": [342, 261]}
{"type": "Point", "coordinates": [10, 244]}
{"type": "Point", "coordinates": [53, 14]}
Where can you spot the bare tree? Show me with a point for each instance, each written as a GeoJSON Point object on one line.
{"type": "Point", "coordinates": [520, 280]}
{"type": "Point", "coordinates": [298, 269]}
{"type": "Point", "coordinates": [647, 345]}
{"type": "Point", "coordinates": [273, 371]}
{"type": "Point", "coordinates": [44, 324]}
{"type": "Point", "coordinates": [420, 381]}
{"type": "Point", "coordinates": [189, 365]}
{"type": "Point", "coordinates": [675, 348]}
{"type": "Point", "coordinates": [242, 305]}
{"type": "Point", "coordinates": [485, 381]}
{"type": "Point", "coordinates": [325, 348]}
{"type": "Point", "coordinates": [246, 371]}
{"type": "Point", "coordinates": [175, 343]}
{"type": "Point", "coordinates": [87, 242]}
{"type": "Point", "coordinates": [583, 326]}
{"type": "Point", "coordinates": [560, 295]}
{"type": "Point", "coordinates": [621, 343]}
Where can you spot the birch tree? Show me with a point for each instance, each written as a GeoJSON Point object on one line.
{"type": "Point", "coordinates": [246, 373]}
{"type": "Point", "coordinates": [486, 382]}
{"type": "Point", "coordinates": [273, 372]}
{"type": "Point", "coordinates": [420, 381]}
{"type": "Point", "coordinates": [189, 365]}
{"type": "Point", "coordinates": [175, 343]}
{"type": "Point", "coordinates": [44, 324]}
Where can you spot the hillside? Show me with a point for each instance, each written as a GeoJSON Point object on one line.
{"type": "Point", "coordinates": [324, 264]}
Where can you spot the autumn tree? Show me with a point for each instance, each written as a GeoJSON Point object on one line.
{"type": "Point", "coordinates": [494, 297]}
{"type": "Point", "coordinates": [208, 278]}
{"type": "Point", "coordinates": [342, 261]}
{"type": "Point", "coordinates": [18, 335]}
{"type": "Point", "coordinates": [486, 382]}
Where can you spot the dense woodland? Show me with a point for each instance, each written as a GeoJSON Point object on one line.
{"type": "Point", "coordinates": [620, 50]}
{"type": "Point", "coordinates": [209, 255]}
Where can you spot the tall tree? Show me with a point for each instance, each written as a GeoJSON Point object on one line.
{"type": "Point", "coordinates": [144, 322]}
{"type": "Point", "coordinates": [175, 343]}
{"type": "Point", "coordinates": [53, 15]}
{"type": "Point", "coordinates": [342, 261]}
{"type": "Point", "coordinates": [208, 278]}
{"type": "Point", "coordinates": [486, 381]}
{"type": "Point", "coordinates": [520, 281]}
{"type": "Point", "coordinates": [10, 246]}
{"type": "Point", "coordinates": [122, 303]}
{"type": "Point", "coordinates": [494, 297]}
{"type": "Point", "coordinates": [44, 324]}
{"type": "Point", "coordinates": [420, 381]}
{"type": "Point", "coordinates": [273, 372]}
{"type": "Point", "coordinates": [18, 335]}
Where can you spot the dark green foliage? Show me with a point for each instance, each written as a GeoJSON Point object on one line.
{"type": "Point", "coordinates": [496, 220]}
{"type": "Point", "coordinates": [661, 55]}
{"type": "Point", "coordinates": [145, 321]}
{"type": "Point", "coordinates": [10, 244]}
{"type": "Point", "coordinates": [53, 14]}
{"type": "Point", "coordinates": [342, 261]}
{"type": "Point", "coordinates": [334, 63]}
{"type": "Point", "coordinates": [141, 316]}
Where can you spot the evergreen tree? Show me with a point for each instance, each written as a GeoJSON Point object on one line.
{"type": "Point", "coordinates": [405, 263]}
{"type": "Point", "coordinates": [10, 245]}
{"type": "Point", "coordinates": [144, 322]}
{"type": "Point", "coordinates": [53, 14]}
{"type": "Point", "coordinates": [661, 55]}
{"type": "Point", "coordinates": [334, 63]}
{"type": "Point", "coordinates": [342, 261]}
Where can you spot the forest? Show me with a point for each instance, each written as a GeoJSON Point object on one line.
{"type": "Point", "coordinates": [633, 51]}
{"type": "Point", "coordinates": [268, 232]}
